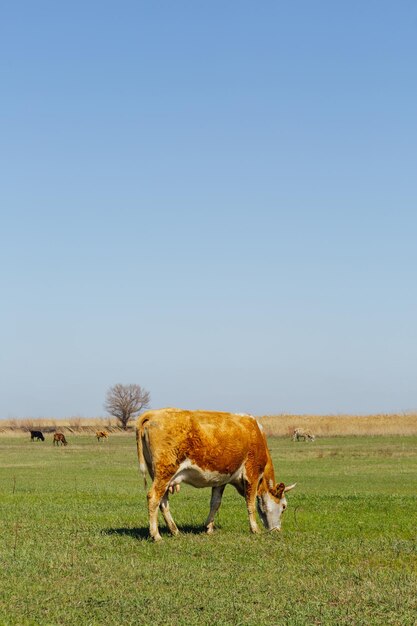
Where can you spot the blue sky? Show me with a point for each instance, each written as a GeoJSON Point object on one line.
{"type": "Point", "coordinates": [214, 200]}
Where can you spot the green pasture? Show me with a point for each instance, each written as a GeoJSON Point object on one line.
{"type": "Point", "coordinates": [74, 545]}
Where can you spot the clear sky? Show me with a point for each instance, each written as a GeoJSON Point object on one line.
{"type": "Point", "coordinates": [216, 200]}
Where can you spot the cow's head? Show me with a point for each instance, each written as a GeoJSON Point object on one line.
{"type": "Point", "coordinates": [271, 503]}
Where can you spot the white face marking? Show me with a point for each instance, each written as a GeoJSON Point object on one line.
{"type": "Point", "coordinates": [270, 511]}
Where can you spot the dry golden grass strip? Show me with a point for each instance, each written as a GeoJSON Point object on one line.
{"type": "Point", "coordinates": [280, 425]}
{"type": "Point", "coordinates": [50, 425]}
{"type": "Point", "coordinates": [336, 425]}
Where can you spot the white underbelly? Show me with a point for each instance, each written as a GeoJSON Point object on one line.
{"type": "Point", "coordinates": [197, 477]}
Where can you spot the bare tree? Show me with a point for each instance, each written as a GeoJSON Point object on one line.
{"type": "Point", "coordinates": [126, 401]}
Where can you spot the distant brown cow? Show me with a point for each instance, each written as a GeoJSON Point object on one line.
{"type": "Point", "coordinates": [101, 434]}
{"type": "Point", "coordinates": [59, 438]}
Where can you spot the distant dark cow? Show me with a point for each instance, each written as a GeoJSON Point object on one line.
{"type": "Point", "coordinates": [101, 434]}
{"type": "Point", "coordinates": [36, 434]}
{"type": "Point", "coordinates": [59, 438]}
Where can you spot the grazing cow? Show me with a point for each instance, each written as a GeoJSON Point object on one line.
{"type": "Point", "coordinates": [208, 449]}
{"type": "Point", "coordinates": [101, 434]}
{"type": "Point", "coordinates": [301, 433]}
{"type": "Point", "coordinates": [36, 434]}
{"type": "Point", "coordinates": [59, 438]}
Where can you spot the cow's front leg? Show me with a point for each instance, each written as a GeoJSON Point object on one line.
{"type": "Point", "coordinates": [164, 506]}
{"type": "Point", "coordinates": [215, 502]}
{"type": "Point", "coordinates": [250, 497]}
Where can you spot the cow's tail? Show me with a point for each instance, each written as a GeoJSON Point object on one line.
{"type": "Point", "coordinates": [140, 431]}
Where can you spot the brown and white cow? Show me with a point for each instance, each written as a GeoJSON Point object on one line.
{"type": "Point", "coordinates": [59, 438]}
{"type": "Point", "coordinates": [208, 449]}
{"type": "Point", "coordinates": [101, 434]}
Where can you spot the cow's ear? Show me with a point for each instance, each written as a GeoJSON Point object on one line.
{"type": "Point", "coordinates": [279, 490]}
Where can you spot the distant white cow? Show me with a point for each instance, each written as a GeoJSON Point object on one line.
{"type": "Point", "coordinates": [301, 433]}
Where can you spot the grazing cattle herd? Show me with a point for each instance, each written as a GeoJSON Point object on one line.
{"type": "Point", "coordinates": [208, 449]}
{"type": "Point", "coordinates": [59, 438]}
{"type": "Point", "coordinates": [205, 449]}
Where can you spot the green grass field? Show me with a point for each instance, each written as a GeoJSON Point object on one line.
{"type": "Point", "coordinates": [74, 546]}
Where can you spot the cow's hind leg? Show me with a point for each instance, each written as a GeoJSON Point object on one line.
{"type": "Point", "coordinates": [164, 506]}
{"type": "Point", "coordinates": [155, 495]}
{"type": "Point", "coordinates": [215, 502]}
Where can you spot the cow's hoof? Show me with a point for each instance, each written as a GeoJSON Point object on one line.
{"type": "Point", "coordinates": [157, 538]}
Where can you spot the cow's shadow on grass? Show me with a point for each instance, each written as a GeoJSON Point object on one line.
{"type": "Point", "coordinates": [142, 532]}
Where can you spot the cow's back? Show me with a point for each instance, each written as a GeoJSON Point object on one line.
{"type": "Point", "coordinates": [213, 441]}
